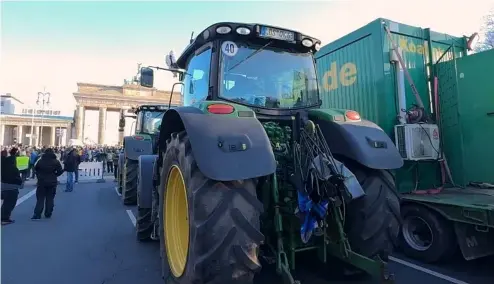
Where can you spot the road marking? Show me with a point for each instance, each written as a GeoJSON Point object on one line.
{"type": "Point", "coordinates": [428, 271]}
{"type": "Point", "coordinates": [116, 190]}
{"type": "Point", "coordinates": [132, 217]}
{"type": "Point", "coordinates": [25, 197]}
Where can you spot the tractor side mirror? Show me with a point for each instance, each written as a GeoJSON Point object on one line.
{"type": "Point", "coordinates": [147, 77]}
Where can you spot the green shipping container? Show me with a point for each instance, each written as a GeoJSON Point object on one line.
{"type": "Point", "coordinates": [355, 71]}
{"type": "Point", "coordinates": [466, 91]}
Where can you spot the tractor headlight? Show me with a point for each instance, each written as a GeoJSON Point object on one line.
{"type": "Point", "coordinates": [243, 31]}
{"type": "Point", "coordinates": [307, 42]}
{"type": "Point", "coordinates": [223, 30]}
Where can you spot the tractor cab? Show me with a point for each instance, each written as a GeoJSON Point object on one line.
{"type": "Point", "coordinates": [148, 120]}
{"type": "Point", "coordinates": [268, 69]}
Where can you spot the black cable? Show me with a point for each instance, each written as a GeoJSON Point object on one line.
{"type": "Point", "coordinates": [430, 140]}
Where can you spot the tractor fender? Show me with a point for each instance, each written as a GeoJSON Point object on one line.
{"type": "Point", "coordinates": [363, 142]}
{"type": "Point", "coordinates": [133, 148]}
{"type": "Point", "coordinates": [145, 178]}
{"type": "Point", "coordinates": [225, 147]}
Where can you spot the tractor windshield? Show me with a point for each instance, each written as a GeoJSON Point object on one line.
{"type": "Point", "coordinates": [267, 77]}
{"type": "Point", "coordinates": [151, 121]}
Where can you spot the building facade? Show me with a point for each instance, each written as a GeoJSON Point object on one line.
{"type": "Point", "coordinates": [95, 120]}
{"type": "Point", "coordinates": [20, 123]}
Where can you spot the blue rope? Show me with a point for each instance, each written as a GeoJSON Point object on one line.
{"type": "Point", "coordinates": [313, 212]}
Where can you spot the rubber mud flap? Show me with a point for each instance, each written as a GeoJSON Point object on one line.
{"type": "Point", "coordinates": [474, 243]}
{"type": "Point", "coordinates": [134, 148]}
{"type": "Point", "coordinates": [145, 181]}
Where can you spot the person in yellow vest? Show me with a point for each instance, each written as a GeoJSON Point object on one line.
{"type": "Point", "coordinates": [22, 161]}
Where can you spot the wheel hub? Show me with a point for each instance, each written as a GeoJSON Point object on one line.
{"type": "Point", "coordinates": [175, 216]}
{"type": "Point", "coordinates": [417, 233]}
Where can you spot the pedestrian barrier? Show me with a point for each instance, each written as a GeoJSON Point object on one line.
{"type": "Point", "coordinates": [88, 171]}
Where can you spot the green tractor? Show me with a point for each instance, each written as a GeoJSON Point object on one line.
{"type": "Point", "coordinates": [251, 168]}
{"type": "Point", "coordinates": [142, 143]}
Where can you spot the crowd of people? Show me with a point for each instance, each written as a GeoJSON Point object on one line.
{"type": "Point", "coordinates": [45, 164]}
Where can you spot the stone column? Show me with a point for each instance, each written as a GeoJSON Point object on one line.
{"type": "Point", "coordinates": [20, 134]}
{"type": "Point", "coordinates": [68, 135]}
{"type": "Point", "coordinates": [79, 126]}
{"type": "Point", "coordinates": [53, 136]}
{"type": "Point", "coordinates": [41, 136]}
{"type": "Point", "coordinates": [36, 135]}
{"type": "Point", "coordinates": [102, 125]}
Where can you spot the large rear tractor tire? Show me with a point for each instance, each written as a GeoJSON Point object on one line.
{"type": "Point", "coordinates": [129, 190]}
{"type": "Point", "coordinates": [373, 221]}
{"type": "Point", "coordinates": [209, 230]}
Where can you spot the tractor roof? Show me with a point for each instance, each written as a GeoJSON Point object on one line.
{"type": "Point", "coordinates": [210, 34]}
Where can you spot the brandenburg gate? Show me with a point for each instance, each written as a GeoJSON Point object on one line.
{"type": "Point", "coordinates": [114, 98]}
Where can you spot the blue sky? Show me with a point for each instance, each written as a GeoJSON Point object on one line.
{"type": "Point", "coordinates": [57, 44]}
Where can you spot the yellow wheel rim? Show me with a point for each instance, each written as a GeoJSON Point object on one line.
{"type": "Point", "coordinates": [175, 215]}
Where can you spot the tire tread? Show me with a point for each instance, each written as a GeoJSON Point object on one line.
{"type": "Point", "coordinates": [224, 222]}
{"type": "Point", "coordinates": [374, 220]}
{"type": "Point", "coordinates": [129, 190]}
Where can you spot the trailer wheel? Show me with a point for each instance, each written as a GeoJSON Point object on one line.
{"type": "Point", "coordinates": [425, 235]}
{"type": "Point", "coordinates": [129, 190]}
{"type": "Point", "coordinates": [209, 230]}
{"type": "Point", "coordinates": [144, 224]}
{"type": "Point", "coordinates": [373, 221]}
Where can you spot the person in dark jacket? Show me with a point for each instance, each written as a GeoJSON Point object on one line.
{"type": "Point", "coordinates": [48, 169]}
{"type": "Point", "coordinates": [70, 164]}
{"type": "Point", "coordinates": [11, 182]}
{"type": "Point", "coordinates": [78, 160]}
{"type": "Point", "coordinates": [115, 163]}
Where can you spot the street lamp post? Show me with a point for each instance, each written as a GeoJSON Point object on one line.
{"type": "Point", "coordinates": [45, 100]}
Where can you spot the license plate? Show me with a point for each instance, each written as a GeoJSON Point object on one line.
{"type": "Point", "coordinates": [277, 34]}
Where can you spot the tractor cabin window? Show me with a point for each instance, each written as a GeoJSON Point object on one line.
{"type": "Point", "coordinates": [196, 81]}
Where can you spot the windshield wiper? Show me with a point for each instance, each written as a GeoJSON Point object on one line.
{"type": "Point", "coordinates": [250, 55]}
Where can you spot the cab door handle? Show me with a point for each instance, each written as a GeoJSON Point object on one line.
{"type": "Point", "coordinates": [490, 113]}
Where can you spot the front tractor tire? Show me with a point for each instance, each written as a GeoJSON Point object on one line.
{"type": "Point", "coordinates": [129, 187]}
{"type": "Point", "coordinates": [209, 230]}
{"type": "Point", "coordinates": [373, 221]}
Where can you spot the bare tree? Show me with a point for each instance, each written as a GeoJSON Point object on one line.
{"type": "Point", "coordinates": [488, 30]}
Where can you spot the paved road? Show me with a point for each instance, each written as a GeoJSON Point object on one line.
{"type": "Point", "coordinates": [90, 240]}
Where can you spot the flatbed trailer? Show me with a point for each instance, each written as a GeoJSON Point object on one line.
{"type": "Point", "coordinates": [465, 215]}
